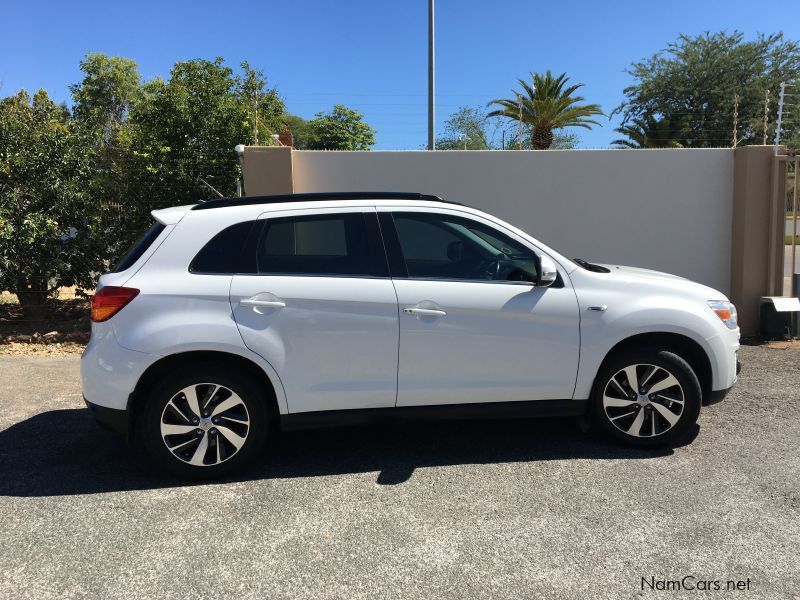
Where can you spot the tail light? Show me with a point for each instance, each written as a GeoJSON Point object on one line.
{"type": "Point", "coordinates": [109, 300]}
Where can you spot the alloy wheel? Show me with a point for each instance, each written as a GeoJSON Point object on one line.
{"type": "Point", "coordinates": [643, 400]}
{"type": "Point", "coordinates": [205, 424]}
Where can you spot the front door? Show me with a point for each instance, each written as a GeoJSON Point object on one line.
{"type": "Point", "coordinates": [473, 327]}
{"type": "Point", "coordinates": [322, 309]}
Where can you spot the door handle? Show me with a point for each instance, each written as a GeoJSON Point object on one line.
{"type": "Point", "coordinates": [262, 303]}
{"type": "Point", "coordinates": [424, 312]}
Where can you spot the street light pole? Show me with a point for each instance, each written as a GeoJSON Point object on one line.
{"type": "Point", "coordinates": [431, 109]}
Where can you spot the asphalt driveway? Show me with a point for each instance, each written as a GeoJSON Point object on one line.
{"type": "Point", "coordinates": [523, 509]}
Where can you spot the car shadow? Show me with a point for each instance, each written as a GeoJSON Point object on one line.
{"type": "Point", "coordinates": [64, 452]}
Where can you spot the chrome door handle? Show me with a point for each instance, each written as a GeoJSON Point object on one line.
{"type": "Point", "coordinates": [262, 303]}
{"type": "Point", "coordinates": [424, 312]}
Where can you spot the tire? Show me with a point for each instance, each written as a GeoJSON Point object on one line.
{"type": "Point", "coordinates": [229, 431]}
{"type": "Point", "coordinates": [667, 411]}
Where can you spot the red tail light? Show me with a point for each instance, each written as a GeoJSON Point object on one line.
{"type": "Point", "coordinates": [109, 300]}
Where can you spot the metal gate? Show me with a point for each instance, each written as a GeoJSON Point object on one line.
{"type": "Point", "coordinates": [788, 176]}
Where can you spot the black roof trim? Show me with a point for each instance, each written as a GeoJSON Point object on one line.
{"type": "Point", "coordinates": [315, 197]}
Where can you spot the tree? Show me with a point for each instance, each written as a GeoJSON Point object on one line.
{"type": "Point", "coordinates": [298, 126]}
{"type": "Point", "coordinates": [561, 140]}
{"type": "Point", "coordinates": [341, 129]}
{"type": "Point", "coordinates": [697, 78]}
{"type": "Point", "coordinates": [48, 226]}
{"type": "Point", "coordinates": [651, 132]}
{"type": "Point", "coordinates": [102, 100]}
{"type": "Point", "coordinates": [466, 129]}
{"type": "Point", "coordinates": [180, 135]}
{"type": "Point", "coordinates": [546, 105]}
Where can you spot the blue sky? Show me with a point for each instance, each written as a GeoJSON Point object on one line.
{"type": "Point", "coordinates": [371, 56]}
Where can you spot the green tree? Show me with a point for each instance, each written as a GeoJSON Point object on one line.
{"type": "Point", "coordinates": [180, 135]}
{"type": "Point", "coordinates": [47, 223]}
{"type": "Point", "coordinates": [103, 98]}
{"type": "Point", "coordinates": [466, 129]}
{"type": "Point", "coordinates": [547, 104]}
{"type": "Point", "coordinates": [340, 129]}
{"type": "Point", "coordinates": [298, 126]}
{"type": "Point", "coordinates": [697, 78]}
{"type": "Point", "coordinates": [562, 140]}
{"type": "Point", "coordinates": [650, 132]}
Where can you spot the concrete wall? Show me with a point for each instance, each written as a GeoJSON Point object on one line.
{"type": "Point", "coordinates": [669, 210]}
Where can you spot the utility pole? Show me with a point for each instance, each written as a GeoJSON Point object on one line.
{"type": "Point", "coordinates": [735, 120]}
{"type": "Point", "coordinates": [431, 94]}
{"type": "Point", "coordinates": [519, 122]}
{"type": "Point", "coordinates": [766, 112]}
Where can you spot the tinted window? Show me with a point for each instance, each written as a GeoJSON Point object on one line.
{"type": "Point", "coordinates": [139, 248]}
{"type": "Point", "coordinates": [446, 247]}
{"type": "Point", "coordinates": [223, 253]}
{"type": "Point", "coordinates": [317, 245]}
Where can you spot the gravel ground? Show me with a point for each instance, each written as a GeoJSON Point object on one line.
{"type": "Point", "coordinates": [524, 509]}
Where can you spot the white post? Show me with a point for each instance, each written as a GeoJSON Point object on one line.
{"type": "Point", "coordinates": [780, 118]}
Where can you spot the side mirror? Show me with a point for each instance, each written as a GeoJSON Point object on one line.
{"type": "Point", "coordinates": [548, 273]}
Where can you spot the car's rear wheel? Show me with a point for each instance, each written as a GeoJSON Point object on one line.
{"type": "Point", "coordinates": [204, 423]}
{"type": "Point", "coordinates": [647, 398]}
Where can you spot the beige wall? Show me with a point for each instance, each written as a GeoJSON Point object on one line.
{"type": "Point", "coordinates": [668, 210]}
{"type": "Point", "coordinates": [707, 214]}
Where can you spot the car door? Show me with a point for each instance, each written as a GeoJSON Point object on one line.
{"type": "Point", "coordinates": [473, 326]}
{"type": "Point", "coordinates": [321, 308]}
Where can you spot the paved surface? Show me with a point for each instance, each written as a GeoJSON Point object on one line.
{"type": "Point", "coordinates": [504, 510]}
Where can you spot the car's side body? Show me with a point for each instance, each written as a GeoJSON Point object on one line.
{"type": "Point", "coordinates": [345, 343]}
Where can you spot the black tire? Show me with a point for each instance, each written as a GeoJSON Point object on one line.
{"type": "Point", "coordinates": [617, 422]}
{"type": "Point", "coordinates": [255, 412]}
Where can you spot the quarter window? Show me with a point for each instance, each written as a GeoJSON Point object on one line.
{"type": "Point", "coordinates": [223, 253]}
{"type": "Point", "coordinates": [319, 245]}
{"type": "Point", "coordinates": [437, 246]}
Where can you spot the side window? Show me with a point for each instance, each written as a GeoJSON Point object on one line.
{"type": "Point", "coordinates": [331, 244]}
{"type": "Point", "coordinates": [437, 246]}
{"type": "Point", "coordinates": [223, 253]}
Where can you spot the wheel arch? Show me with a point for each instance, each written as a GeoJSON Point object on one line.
{"type": "Point", "coordinates": [179, 360]}
{"type": "Point", "coordinates": [682, 345]}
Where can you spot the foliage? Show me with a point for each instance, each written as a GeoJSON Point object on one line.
{"type": "Point", "coordinates": [102, 100]}
{"type": "Point", "coordinates": [547, 104]}
{"type": "Point", "coordinates": [340, 129]}
{"type": "Point", "coordinates": [177, 144]}
{"type": "Point", "coordinates": [651, 132]}
{"type": "Point", "coordinates": [697, 78]}
{"type": "Point", "coordinates": [466, 129]}
{"type": "Point", "coordinates": [48, 225]}
{"type": "Point", "coordinates": [299, 129]}
{"type": "Point", "coordinates": [562, 140]}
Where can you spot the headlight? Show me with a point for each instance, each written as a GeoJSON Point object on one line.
{"type": "Point", "coordinates": [726, 311]}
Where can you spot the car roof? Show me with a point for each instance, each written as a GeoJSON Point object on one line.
{"type": "Point", "coordinates": [315, 197]}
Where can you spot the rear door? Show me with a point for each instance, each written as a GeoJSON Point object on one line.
{"type": "Point", "coordinates": [473, 326]}
{"type": "Point", "coordinates": [321, 308]}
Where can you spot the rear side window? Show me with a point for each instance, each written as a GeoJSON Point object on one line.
{"type": "Point", "coordinates": [223, 253]}
{"type": "Point", "coordinates": [338, 244]}
{"type": "Point", "coordinates": [139, 248]}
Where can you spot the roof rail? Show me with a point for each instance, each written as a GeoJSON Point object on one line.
{"type": "Point", "coordinates": [315, 197]}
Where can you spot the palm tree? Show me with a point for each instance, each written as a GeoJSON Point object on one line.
{"type": "Point", "coordinates": [650, 132]}
{"type": "Point", "coordinates": [546, 105]}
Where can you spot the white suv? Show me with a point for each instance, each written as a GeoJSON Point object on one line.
{"type": "Point", "coordinates": [236, 315]}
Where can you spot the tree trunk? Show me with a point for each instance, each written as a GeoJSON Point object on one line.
{"type": "Point", "coordinates": [542, 138]}
{"type": "Point", "coordinates": [32, 297]}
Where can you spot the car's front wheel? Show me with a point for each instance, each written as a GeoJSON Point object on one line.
{"type": "Point", "coordinates": [647, 398]}
{"type": "Point", "coordinates": [203, 423]}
